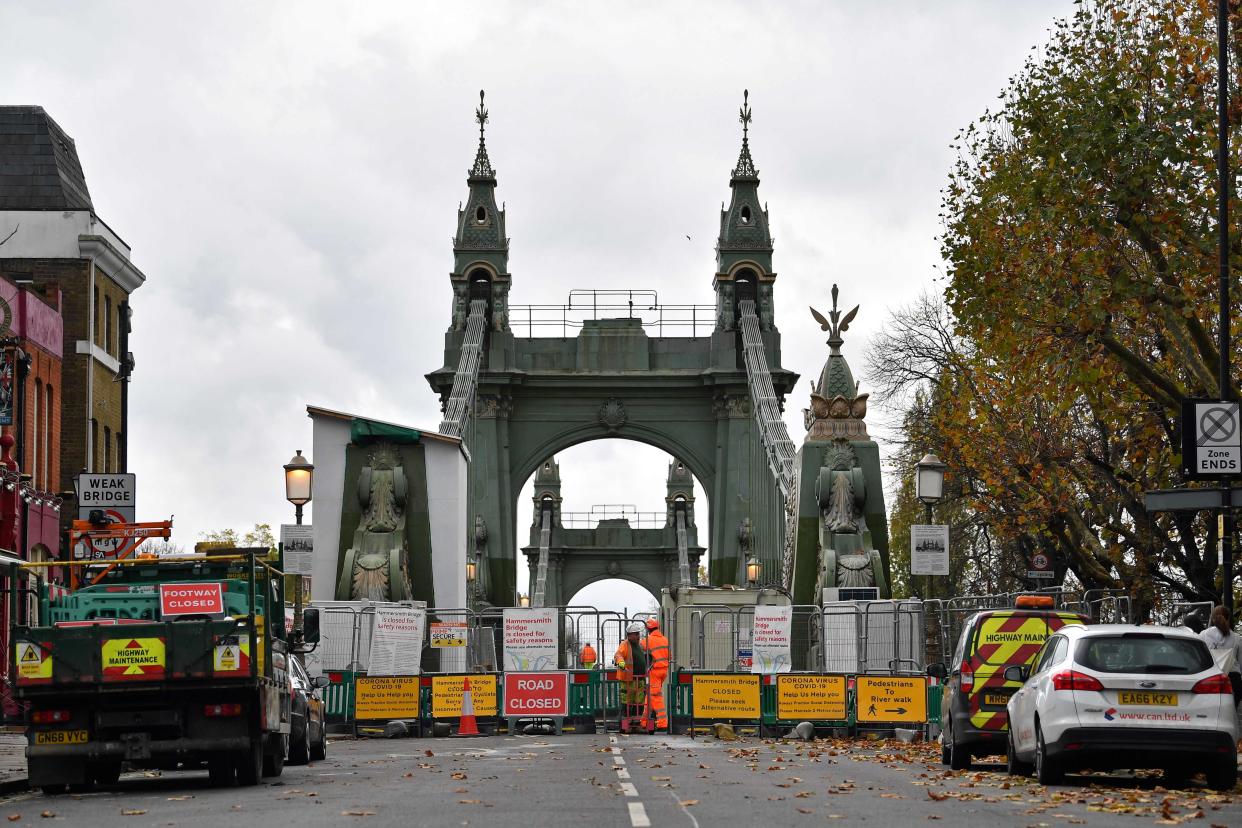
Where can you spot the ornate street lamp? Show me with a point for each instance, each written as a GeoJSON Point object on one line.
{"type": "Point", "coordinates": [524, 601]}
{"type": "Point", "coordinates": [753, 569]}
{"type": "Point", "coordinates": [299, 476]}
{"type": "Point", "coordinates": [929, 482]}
{"type": "Point", "coordinates": [472, 569]}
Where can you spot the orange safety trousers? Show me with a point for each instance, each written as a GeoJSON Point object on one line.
{"type": "Point", "coordinates": [655, 700]}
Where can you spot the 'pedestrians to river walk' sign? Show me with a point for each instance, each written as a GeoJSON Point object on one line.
{"type": "Point", "coordinates": [892, 699]}
{"type": "Point", "coordinates": [733, 696]}
{"type": "Point", "coordinates": [447, 692]}
{"type": "Point", "coordinates": [1211, 439]}
{"type": "Point", "coordinates": [817, 698]}
{"type": "Point", "coordinates": [386, 697]}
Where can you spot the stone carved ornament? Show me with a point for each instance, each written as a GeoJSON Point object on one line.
{"type": "Point", "coordinates": [376, 562]}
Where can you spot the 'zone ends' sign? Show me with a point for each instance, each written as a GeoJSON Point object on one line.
{"type": "Point", "coordinates": [191, 599]}
{"type": "Point", "coordinates": [536, 694]}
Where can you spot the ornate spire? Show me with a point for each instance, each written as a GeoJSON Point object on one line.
{"type": "Point", "coordinates": [482, 164]}
{"type": "Point", "coordinates": [835, 325]}
{"type": "Point", "coordinates": [837, 409]}
{"type": "Point", "coordinates": [745, 164]}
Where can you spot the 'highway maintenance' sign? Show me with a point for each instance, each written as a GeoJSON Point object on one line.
{"type": "Point", "coordinates": [733, 696]}
{"type": "Point", "coordinates": [33, 666]}
{"type": "Point", "coordinates": [128, 659]}
{"type": "Point", "coordinates": [817, 698]}
{"type": "Point", "coordinates": [386, 697]}
{"type": "Point", "coordinates": [447, 692]}
{"type": "Point", "coordinates": [892, 699]}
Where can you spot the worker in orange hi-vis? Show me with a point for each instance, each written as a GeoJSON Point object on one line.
{"type": "Point", "coordinates": [588, 656]}
{"type": "Point", "coordinates": [656, 646]}
{"type": "Point", "coordinates": [631, 663]}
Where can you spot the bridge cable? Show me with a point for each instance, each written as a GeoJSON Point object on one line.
{"type": "Point", "coordinates": [457, 409]}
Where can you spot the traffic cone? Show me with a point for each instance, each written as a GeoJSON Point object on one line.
{"type": "Point", "coordinates": [468, 726]}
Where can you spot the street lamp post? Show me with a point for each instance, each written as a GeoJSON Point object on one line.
{"type": "Point", "coordinates": [753, 569]}
{"type": "Point", "coordinates": [929, 489]}
{"type": "Point", "coordinates": [299, 478]}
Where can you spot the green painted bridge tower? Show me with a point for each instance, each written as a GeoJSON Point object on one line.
{"type": "Point", "coordinates": [606, 366]}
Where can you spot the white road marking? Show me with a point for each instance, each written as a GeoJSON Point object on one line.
{"type": "Point", "coordinates": [628, 789]}
{"type": "Point", "coordinates": [684, 809]}
{"type": "Point", "coordinates": [618, 759]}
{"type": "Point", "coordinates": [622, 773]}
{"type": "Point", "coordinates": [638, 816]}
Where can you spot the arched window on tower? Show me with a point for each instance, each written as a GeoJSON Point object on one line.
{"type": "Point", "coordinates": [745, 214]}
{"type": "Point", "coordinates": [480, 215]}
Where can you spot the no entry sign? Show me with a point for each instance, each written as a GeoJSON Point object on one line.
{"type": "Point", "coordinates": [536, 694]}
{"type": "Point", "coordinates": [191, 599]}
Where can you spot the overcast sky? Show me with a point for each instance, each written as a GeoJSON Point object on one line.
{"type": "Point", "coordinates": [288, 176]}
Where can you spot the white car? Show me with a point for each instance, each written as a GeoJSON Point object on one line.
{"type": "Point", "coordinates": [1122, 696]}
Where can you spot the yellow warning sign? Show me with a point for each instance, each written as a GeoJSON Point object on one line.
{"type": "Point", "coordinates": [892, 699]}
{"type": "Point", "coordinates": [818, 698]}
{"type": "Point", "coordinates": [446, 695]}
{"type": "Point", "coordinates": [386, 697]}
{"type": "Point", "coordinates": [231, 654]}
{"type": "Point", "coordinates": [726, 697]}
{"type": "Point", "coordinates": [32, 664]}
{"type": "Point", "coordinates": [132, 658]}
{"type": "Point", "coordinates": [448, 634]}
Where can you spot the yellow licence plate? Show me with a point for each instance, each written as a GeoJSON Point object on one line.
{"type": "Point", "coordinates": [995, 698]}
{"type": "Point", "coordinates": [1147, 697]}
{"type": "Point", "coordinates": [60, 737]}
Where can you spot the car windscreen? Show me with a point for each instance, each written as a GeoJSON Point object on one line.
{"type": "Point", "coordinates": [1143, 653]}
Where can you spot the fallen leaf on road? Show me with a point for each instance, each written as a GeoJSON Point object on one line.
{"type": "Point", "coordinates": [661, 778]}
{"type": "Point", "coordinates": [187, 796]}
{"type": "Point", "coordinates": [938, 797]}
{"type": "Point", "coordinates": [805, 811]}
{"type": "Point", "coordinates": [685, 803]}
{"type": "Point", "coordinates": [428, 753]}
{"type": "Point", "coordinates": [459, 775]}
{"type": "Point", "coordinates": [48, 814]}
{"type": "Point", "coordinates": [132, 812]}
{"type": "Point", "coordinates": [469, 802]}
{"type": "Point", "coordinates": [357, 813]}
{"type": "Point", "coordinates": [14, 817]}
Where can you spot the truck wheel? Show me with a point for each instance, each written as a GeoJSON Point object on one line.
{"type": "Point", "coordinates": [274, 759]}
{"type": "Point", "coordinates": [220, 771]}
{"type": "Point", "coordinates": [249, 763]}
{"type": "Point", "coordinates": [106, 773]}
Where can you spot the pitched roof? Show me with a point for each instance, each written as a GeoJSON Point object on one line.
{"type": "Point", "coordinates": [39, 167]}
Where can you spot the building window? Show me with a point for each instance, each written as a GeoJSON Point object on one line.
{"type": "Point", "coordinates": [31, 450]}
{"type": "Point", "coordinates": [95, 307]}
{"type": "Point", "coordinates": [92, 454]}
{"type": "Point", "coordinates": [120, 452]}
{"type": "Point", "coordinates": [107, 343]}
{"type": "Point", "coordinates": [47, 441]}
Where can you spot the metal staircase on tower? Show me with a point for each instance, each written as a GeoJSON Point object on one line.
{"type": "Point", "coordinates": [457, 410]}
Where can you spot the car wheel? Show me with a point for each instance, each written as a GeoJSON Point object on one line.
{"type": "Point", "coordinates": [1223, 776]}
{"type": "Point", "coordinates": [299, 749]}
{"type": "Point", "coordinates": [1047, 770]}
{"type": "Point", "coordinates": [959, 757]}
{"type": "Point", "coordinates": [1013, 765]}
{"type": "Point", "coordinates": [319, 749]}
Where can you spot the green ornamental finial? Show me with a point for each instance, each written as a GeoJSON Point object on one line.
{"type": "Point", "coordinates": [482, 164]}
{"type": "Point", "coordinates": [835, 325]}
{"type": "Point", "coordinates": [745, 164]}
{"type": "Point", "coordinates": [480, 115]}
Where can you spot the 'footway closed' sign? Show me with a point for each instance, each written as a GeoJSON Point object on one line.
{"type": "Point", "coordinates": [191, 599]}
{"type": "Point", "coordinates": [818, 698]}
{"type": "Point", "coordinates": [536, 694]}
{"type": "Point", "coordinates": [892, 699]}
{"type": "Point", "coordinates": [726, 697]}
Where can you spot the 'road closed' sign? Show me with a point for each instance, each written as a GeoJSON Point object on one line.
{"type": "Point", "coordinates": [536, 694]}
{"type": "Point", "coordinates": [892, 699]}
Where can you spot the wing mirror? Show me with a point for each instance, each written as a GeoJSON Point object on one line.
{"type": "Point", "coordinates": [310, 625]}
{"type": "Point", "coordinates": [321, 681]}
{"type": "Point", "coordinates": [937, 670]}
{"type": "Point", "coordinates": [1017, 672]}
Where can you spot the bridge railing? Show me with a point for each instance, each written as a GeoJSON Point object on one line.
{"type": "Point", "coordinates": [566, 320]}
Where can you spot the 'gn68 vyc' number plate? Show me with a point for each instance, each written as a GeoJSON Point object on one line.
{"type": "Point", "coordinates": [1147, 697]}
{"type": "Point", "coordinates": [60, 737]}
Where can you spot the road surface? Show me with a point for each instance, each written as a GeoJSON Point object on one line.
{"type": "Point", "coordinates": [627, 782]}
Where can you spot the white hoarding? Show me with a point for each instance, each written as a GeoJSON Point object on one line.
{"type": "Point", "coordinates": [397, 641]}
{"type": "Point", "coordinates": [771, 638]}
{"type": "Point", "coordinates": [531, 639]}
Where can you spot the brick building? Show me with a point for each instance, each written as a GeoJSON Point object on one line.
{"type": "Point", "coordinates": [52, 241]}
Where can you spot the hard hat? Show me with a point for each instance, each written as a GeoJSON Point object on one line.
{"type": "Point", "coordinates": [653, 624]}
{"type": "Point", "coordinates": [634, 627]}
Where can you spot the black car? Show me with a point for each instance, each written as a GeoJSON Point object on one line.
{"type": "Point", "coordinates": [308, 739]}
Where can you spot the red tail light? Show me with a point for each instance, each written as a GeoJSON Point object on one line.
{"type": "Point", "coordinates": [1214, 684]}
{"type": "Point", "coordinates": [1074, 680]}
{"type": "Point", "coordinates": [214, 710]}
{"type": "Point", "coordinates": [966, 679]}
{"type": "Point", "coordinates": [53, 716]}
